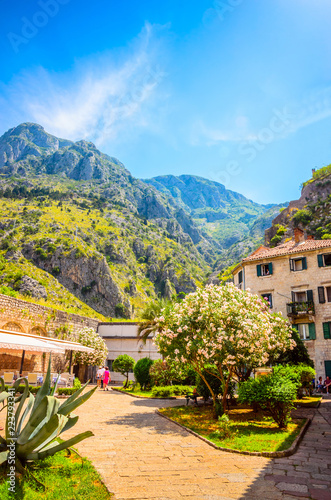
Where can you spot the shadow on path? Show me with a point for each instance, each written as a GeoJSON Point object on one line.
{"type": "Point", "coordinates": [307, 473]}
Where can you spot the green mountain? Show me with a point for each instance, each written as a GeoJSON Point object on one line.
{"type": "Point", "coordinates": [78, 232]}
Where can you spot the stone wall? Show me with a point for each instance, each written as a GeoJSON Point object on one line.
{"type": "Point", "coordinates": [26, 317]}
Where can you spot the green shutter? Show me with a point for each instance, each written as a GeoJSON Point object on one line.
{"type": "Point", "coordinates": [326, 330]}
{"type": "Point", "coordinates": [240, 277]}
{"type": "Point", "coordinates": [295, 327]}
{"type": "Point", "coordinates": [321, 294]}
{"type": "Point", "coordinates": [327, 365]}
{"type": "Point", "coordinates": [310, 297]}
{"type": "Point", "coordinates": [258, 269]}
{"type": "Point", "coordinates": [291, 265]}
{"type": "Point", "coordinates": [304, 262]}
{"type": "Point", "coordinates": [312, 331]}
{"type": "Point", "coordinates": [270, 267]}
{"type": "Point", "coordinates": [320, 260]}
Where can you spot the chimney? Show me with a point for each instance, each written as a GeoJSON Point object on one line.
{"type": "Point", "coordinates": [310, 237]}
{"type": "Point", "coordinates": [299, 235]}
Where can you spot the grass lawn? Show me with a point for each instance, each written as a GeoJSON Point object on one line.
{"type": "Point", "coordinates": [136, 392]}
{"type": "Point", "coordinates": [64, 478]}
{"type": "Point", "coordinates": [252, 432]}
{"type": "Point", "coordinates": [308, 401]}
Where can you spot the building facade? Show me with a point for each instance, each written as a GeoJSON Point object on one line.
{"type": "Point", "coordinates": [121, 338]}
{"type": "Point", "coordinates": [295, 278]}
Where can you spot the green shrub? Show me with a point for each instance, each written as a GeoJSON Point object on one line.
{"type": "Point", "coordinates": [66, 391]}
{"type": "Point", "coordinates": [301, 375]}
{"type": "Point", "coordinates": [77, 383]}
{"type": "Point", "coordinates": [302, 216]}
{"type": "Point", "coordinates": [275, 240]}
{"type": "Point", "coordinates": [163, 392]}
{"type": "Point", "coordinates": [273, 394]}
{"type": "Point", "coordinates": [6, 290]}
{"type": "Point", "coordinates": [224, 429]}
{"type": "Point", "coordinates": [32, 388]}
{"type": "Point", "coordinates": [141, 372]}
{"type": "Point", "coordinates": [120, 310]}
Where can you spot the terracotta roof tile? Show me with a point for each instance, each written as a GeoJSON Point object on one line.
{"type": "Point", "coordinates": [287, 249]}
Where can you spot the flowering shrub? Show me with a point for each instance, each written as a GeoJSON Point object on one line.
{"type": "Point", "coordinates": [90, 338]}
{"type": "Point", "coordinates": [222, 326]}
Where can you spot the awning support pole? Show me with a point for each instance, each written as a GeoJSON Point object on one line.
{"type": "Point", "coordinates": [70, 361]}
{"type": "Point", "coordinates": [22, 361]}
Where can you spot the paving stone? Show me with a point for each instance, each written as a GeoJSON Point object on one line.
{"type": "Point", "coordinates": [142, 456]}
{"type": "Point", "coordinates": [318, 494]}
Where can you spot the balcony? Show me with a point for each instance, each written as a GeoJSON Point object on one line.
{"type": "Point", "coordinates": [301, 308]}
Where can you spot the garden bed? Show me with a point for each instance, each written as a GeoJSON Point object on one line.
{"type": "Point", "coordinates": [139, 393]}
{"type": "Point", "coordinates": [254, 434]}
{"type": "Point", "coordinates": [63, 477]}
{"type": "Point", "coordinates": [308, 402]}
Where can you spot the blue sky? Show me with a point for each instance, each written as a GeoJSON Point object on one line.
{"type": "Point", "coordinates": [238, 91]}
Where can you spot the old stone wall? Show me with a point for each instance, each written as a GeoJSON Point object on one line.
{"type": "Point", "coordinates": [26, 317]}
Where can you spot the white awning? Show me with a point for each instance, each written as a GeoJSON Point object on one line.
{"type": "Point", "coordinates": [15, 341]}
{"type": "Point", "coordinates": [58, 346]}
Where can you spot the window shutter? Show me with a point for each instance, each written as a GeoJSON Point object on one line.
{"type": "Point", "coordinates": [295, 327]}
{"type": "Point", "coordinates": [291, 265]}
{"type": "Point", "coordinates": [327, 365]}
{"type": "Point", "coordinates": [320, 261]}
{"type": "Point", "coordinates": [321, 294]}
{"type": "Point", "coordinates": [304, 262]}
{"type": "Point", "coordinates": [326, 330]}
{"type": "Point", "coordinates": [312, 331]}
{"type": "Point", "coordinates": [310, 296]}
{"type": "Point", "coordinates": [270, 300]}
{"type": "Point", "coordinates": [240, 276]}
{"type": "Point", "coordinates": [258, 269]}
{"type": "Point", "coordinates": [293, 296]}
{"type": "Point", "coordinates": [270, 267]}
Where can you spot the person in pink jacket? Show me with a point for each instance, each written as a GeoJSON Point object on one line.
{"type": "Point", "coordinates": [106, 378]}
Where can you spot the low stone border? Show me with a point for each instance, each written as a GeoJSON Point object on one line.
{"type": "Point", "coordinates": [137, 396]}
{"type": "Point", "coordinates": [271, 454]}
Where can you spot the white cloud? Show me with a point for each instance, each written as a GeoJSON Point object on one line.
{"type": "Point", "coordinates": [98, 100]}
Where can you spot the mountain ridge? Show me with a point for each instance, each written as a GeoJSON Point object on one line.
{"type": "Point", "coordinates": [79, 222]}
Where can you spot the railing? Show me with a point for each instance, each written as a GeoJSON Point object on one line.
{"type": "Point", "coordinates": [300, 308]}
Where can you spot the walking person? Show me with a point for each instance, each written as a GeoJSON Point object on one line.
{"type": "Point", "coordinates": [106, 378]}
{"type": "Point", "coordinates": [99, 376]}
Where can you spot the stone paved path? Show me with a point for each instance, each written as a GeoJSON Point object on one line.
{"type": "Point", "coordinates": [141, 455]}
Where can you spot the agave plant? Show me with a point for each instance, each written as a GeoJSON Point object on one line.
{"type": "Point", "coordinates": [38, 421]}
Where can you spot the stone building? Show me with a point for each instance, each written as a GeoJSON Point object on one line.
{"type": "Point", "coordinates": [121, 338]}
{"type": "Point", "coordinates": [295, 278]}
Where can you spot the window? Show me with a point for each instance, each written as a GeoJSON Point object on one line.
{"type": "Point", "coordinates": [298, 264]}
{"type": "Point", "coordinates": [110, 364]}
{"type": "Point", "coordinates": [324, 260]}
{"type": "Point", "coordinates": [304, 296]}
{"type": "Point", "coordinates": [324, 294]}
{"type": "Point", "coordinates": [268, 298]}
{"type": "Point", "coordinates": [240, 280]}
{"type": "Point", "coordinates": [327, 330]}
{"type": "Point", "coordinates": [264, 269]}
{"type": "Point", "coordinates": [306, 330]}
